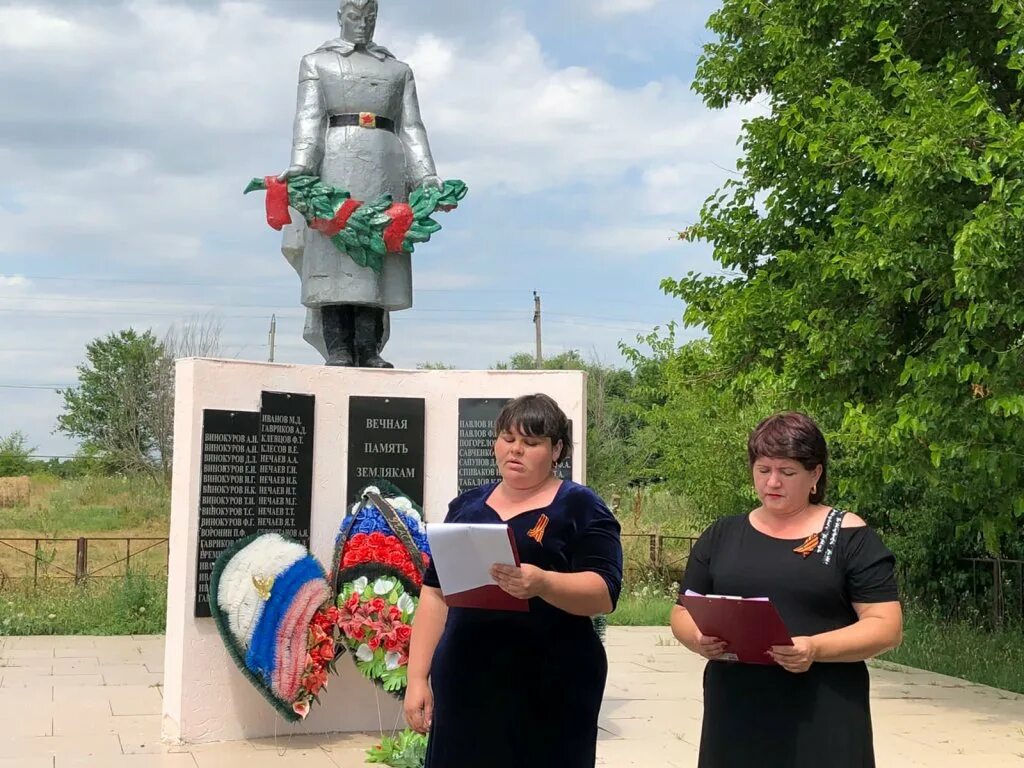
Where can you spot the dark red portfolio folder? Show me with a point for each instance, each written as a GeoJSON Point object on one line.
{"type": "Point", "coordinates": [490, 596]}
{"type": "Point", "coordinates": [749, 627]}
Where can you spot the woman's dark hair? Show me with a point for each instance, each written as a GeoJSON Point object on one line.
{"type": "Point", "coordinates": [792, 435]}
{"type": "Point", "coordinates": [537, 416]}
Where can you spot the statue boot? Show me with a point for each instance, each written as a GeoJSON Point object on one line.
{"type": "Point", "coordinates": [369, 336]}
{"type": "Point", "coordinates": [339, 332]}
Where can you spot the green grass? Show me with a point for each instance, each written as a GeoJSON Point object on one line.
{"type": "Point", "coordinates": [644, 605]}
{"type": "Point", "coordinates": [643, 612]}
{"type": "Point", "coordinates": [135, 605]}
{"type": "Point", "coordinates": [655, 511]}
{"type": "Point", "coordinates": [962, 649]}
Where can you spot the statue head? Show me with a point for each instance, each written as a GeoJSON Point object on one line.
{"type": "Point", "coordinates": [358, 20]}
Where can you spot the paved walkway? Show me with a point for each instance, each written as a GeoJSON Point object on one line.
{"type": "Point", "coordinates": [84, 702]}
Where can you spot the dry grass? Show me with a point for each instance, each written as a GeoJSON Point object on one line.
{"type": "Point", "coordinates": [14, 491]}
{"type": "Point", "coordinates": [106, 510]}
{"type": "Point", "coordinates": [89, 506]}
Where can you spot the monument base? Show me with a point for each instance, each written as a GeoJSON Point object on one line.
{"type": "Point", "coordinates": [206, 698]}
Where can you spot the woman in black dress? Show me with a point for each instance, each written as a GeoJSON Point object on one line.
{"type": "Point", "coordinates": [831, 579]}
{"type": "Point", "coordinates": [502, 689]}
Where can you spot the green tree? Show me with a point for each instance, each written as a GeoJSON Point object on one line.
{"type": "Point", "coordinates": [695, 426]}
{"type": "Point", "coordinates": [15, 455]}
{"type": "Point", "coordinates": [874, 237]}
{"type": "Point", "coordinates": [612, 419]}
{"type": "Point", "coordinates": [117, 401]}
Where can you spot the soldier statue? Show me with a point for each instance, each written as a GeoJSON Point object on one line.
{"type": "Point", "coordinates": [357, 127]}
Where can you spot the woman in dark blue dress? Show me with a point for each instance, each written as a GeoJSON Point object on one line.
{"type": "Point", "coordinates": [521, 690]}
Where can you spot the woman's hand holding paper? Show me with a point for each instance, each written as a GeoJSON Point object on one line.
{"type": "Point", "coordinates": [710, 647]}
{"type": "Point", "coordinates": [525, 581]}
{"type": "Point", "coordinates": [797, 657]}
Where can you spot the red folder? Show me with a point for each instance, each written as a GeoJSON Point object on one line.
{"type": "Point", "coordinates": [749, 627]}
{"type": "Point", "coordinates": [490, 596]}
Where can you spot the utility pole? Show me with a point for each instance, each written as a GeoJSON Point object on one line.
{"type": "Point", "coordinates": [273, 335]}
{"type": "Point", "coordinates": [536, 322]}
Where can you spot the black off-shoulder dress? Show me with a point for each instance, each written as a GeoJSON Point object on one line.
{"type": "Point", "coordinates": [767, 717]}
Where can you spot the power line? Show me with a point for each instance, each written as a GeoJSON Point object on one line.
{"type": "Point", "coordinates": [55, 387]}
{"type": "Point", "coordinates": [273, 307]}
{"type": "Point", "coordinates": [273, 282]}
{"type": "Point", "coordinates": [639, 325]}
{"type": "Point", "coordinates": [276, 308]}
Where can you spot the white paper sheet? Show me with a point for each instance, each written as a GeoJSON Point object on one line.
{"type": "Point", "coordinates": [463, 553]}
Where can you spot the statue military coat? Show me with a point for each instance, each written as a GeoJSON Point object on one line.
{"type": "Point", "coordinates": [340, 79]}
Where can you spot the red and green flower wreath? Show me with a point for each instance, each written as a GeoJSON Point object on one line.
{"type": "Point", "coordinates": [365, 231]}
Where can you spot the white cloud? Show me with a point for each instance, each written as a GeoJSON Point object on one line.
{"type": "Point", "coordinates": [34, 29]}
{"type": "Point", "coordinates": [13, 281]}
{"type": "Point", "coordinates": [445, 281]}
{"type": "Point", "coordinates": [623, 241]}
{"type": "Point", "coordinates": [206, 102]}
{"type": "Point", "coordinates": [542, 126]}
{"type": "Point", "coordinates": [176, 106]}
{"type": "Point", "coordinates": [622, 7]}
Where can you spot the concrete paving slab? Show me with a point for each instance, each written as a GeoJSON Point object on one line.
{"type": "Point", "coordinates": [93, 702]}
{"type": "Point", "coordinates": [22, 679]}
{"type": "Point", "coordinates": [22, 762]}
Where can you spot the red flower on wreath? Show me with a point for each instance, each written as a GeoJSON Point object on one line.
{"type": "Point", "coordinates": [351, 618]}
{"type": "Point", "coordinates": [377, 547]}
{"type": "Point", "coordinates": [315, 680]}
{"type": "Point", "coordinates": [326, 619]}
{"type": "Point", "coordinates": [326, 650]}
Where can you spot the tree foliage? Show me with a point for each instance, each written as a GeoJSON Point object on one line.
{"type": "Point", "coordinates": [694, 426]}
{"type": "Point", "coordinates": [15, 455]}
{"type": "Point", "coordinates": [875, 235]}
{"type": "Point", "coordinates": [123, 407]}
{"type": "Point", "coordinates": [117, 400]}
{"type": "Point", "coordinates": [614, 459]}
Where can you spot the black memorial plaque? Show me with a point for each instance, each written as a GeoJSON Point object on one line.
{"type": "Point", "coordinates": [257, 475]}
{"type": "Point", "coordinates": [386, 442]}
{"type": "Point", "coordinates": [286, 464]}
{"type": "Point", "coordinates": [563, 470]}
{"type": "Point", "coordinates": [228, 492]}
{"type": "Point", "coordinates": [476, 464]}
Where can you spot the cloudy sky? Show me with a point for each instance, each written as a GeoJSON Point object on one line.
{"type": "Point", "coordinates": [129, 128]}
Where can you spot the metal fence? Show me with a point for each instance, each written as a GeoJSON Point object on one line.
{"type": "Point", "coordinates": [80, 559]}
{"type": "Point", "coordinates": [997, 588]}
{"type": "Point", "coordinates": [655, 557]}
{"type": "Point", "coordinates": [993, 587]}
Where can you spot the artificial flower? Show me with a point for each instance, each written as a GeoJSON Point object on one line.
{"type": "Point", "coordinates": [406, 604]}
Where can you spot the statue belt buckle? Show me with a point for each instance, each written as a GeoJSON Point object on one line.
{"type": "Point", "coordinates": [367, 120]}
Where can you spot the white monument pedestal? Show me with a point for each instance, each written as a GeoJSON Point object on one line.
{"type": "Point", "coordinates": [206, 698]}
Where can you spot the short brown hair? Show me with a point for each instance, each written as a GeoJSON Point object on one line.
{"type": "Point", "coordinates": [792, 435]}
{"type": "Point", "coordinates": [537, 416]}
